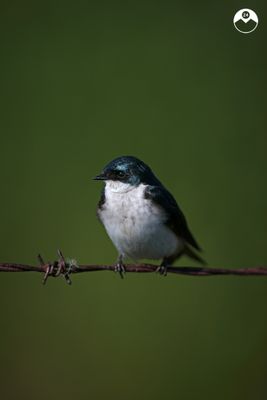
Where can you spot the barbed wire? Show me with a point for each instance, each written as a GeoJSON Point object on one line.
{"type": "Point", "coordinates": [66, 267]}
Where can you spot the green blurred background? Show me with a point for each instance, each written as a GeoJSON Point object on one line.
{"type": "Point", "coordinates": [176, 85]}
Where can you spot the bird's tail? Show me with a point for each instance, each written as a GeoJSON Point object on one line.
{"type": "Point", "coordinates": [192, 254]}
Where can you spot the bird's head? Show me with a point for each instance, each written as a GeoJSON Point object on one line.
{"type": "Point", "coordinates": [128, 170]}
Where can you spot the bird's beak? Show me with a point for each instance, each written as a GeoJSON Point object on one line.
{"type": "Point", "coordinates": [100, 177]}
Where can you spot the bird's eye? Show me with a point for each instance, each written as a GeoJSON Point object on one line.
{"type": "Point", "coordinates": [121, 174]}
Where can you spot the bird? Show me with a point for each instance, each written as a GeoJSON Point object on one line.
{"type": "Point", "coordinates": [141, 217]}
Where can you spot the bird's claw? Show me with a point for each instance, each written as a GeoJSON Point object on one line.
{"type": "Point", "coordinates": [162, 270]}
{"type": "Point", "coordinates": [119, 267]}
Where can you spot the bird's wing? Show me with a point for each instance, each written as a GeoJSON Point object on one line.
{"type": "Point", "coordinates": [175, 218]}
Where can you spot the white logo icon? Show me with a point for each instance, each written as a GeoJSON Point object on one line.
{"type": "Point", "coordinates": [246, 20]}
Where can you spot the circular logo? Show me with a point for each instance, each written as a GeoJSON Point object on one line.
{"type": "Point", "coordinates": [246, 20]}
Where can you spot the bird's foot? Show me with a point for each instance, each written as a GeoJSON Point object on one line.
{"type": "Point", "coordinates": [162, 269]}
{"type": "Point", "coordinates": [119, 267]}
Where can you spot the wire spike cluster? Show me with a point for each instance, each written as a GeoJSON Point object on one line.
{"type": "Point", "coordinates": [57, 268]}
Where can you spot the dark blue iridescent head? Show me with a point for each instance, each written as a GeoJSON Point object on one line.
{"type": "Point", "coordinates": [128, 169]}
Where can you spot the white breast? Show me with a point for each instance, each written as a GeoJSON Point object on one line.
{"type": "Point", "coordinates": [136, 227]}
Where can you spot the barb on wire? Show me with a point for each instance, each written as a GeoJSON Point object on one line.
{"type": "Point", "coordinates": [65, 267]}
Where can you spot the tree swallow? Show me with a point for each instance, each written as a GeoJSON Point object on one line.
{"type": "Point", "coordinates": [141, 216]}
